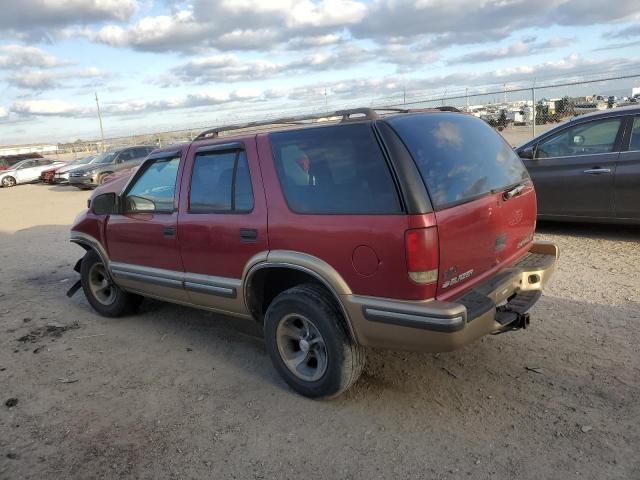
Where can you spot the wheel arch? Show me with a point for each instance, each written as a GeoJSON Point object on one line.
{"type": "Point", "coordinates": [283, 270]}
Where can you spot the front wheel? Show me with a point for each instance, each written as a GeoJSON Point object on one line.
{"type": "Point", "coordinates": [308, 342]}
{"type": "Point", "coordinates": [8, 182]}
{"type": "Point", "coordinates": [104, 296]}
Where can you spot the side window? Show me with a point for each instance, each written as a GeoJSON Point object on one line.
{"type": "Point", "coordinates": [29, 164]}
{"type": "Point", "coordinates": [140, 152]}
{"type": "Point", "coordinates": [334, 170]}
{"type": "Point", "coordinates": [584, 139]}
{"type": "Point", "coordinates": [155, 188]}
{"type": "Point", "coordinates": [635, 135]}
{"type": "Point", "coordinates": [221, 183]}
{"type": "Point", "coordinates": [125, 155]}
{"type": "Point", "coordinates": [44, 163]}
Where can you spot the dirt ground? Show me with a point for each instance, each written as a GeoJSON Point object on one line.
{"type": "Point", "coordinates": [182, 394]}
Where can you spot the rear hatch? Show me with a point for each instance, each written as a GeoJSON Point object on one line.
{"type": "Point", "coordinates": [484, 202]}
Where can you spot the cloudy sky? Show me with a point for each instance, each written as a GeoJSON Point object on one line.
{"type": "Point", "coordinates": [166, 64]}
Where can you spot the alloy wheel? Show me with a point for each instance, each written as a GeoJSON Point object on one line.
{"type": "Point", "coordinates": [301, 347]}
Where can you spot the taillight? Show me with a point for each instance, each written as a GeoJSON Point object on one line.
{"type": "Point", "coordinates": [422, 254]}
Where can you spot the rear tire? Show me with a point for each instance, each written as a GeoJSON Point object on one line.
{"type": "Point", "coordinates": [8, 182]}
{"type": "Point", "coordinates": [308, 342]}
{"type": "Point", "coordinates": [105, 297]}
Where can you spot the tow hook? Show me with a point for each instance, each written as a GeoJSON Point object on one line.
{"type": "Point", "coordinates": [509, 324]}
{"type": "Point", "coordinates": [523, 320]}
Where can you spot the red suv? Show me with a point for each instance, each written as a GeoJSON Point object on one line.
{"type": "Point", "coordinates": [410, 230]}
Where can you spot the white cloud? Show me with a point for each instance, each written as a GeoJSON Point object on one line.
{"type": "Point", "coordinates": [60, 108]}
{"type": "Point", "coordinates": [18, 56]}
{"type": "Point", "coordinates": [4, 113]}
{"type": "Point", "coordinates": [23, 16]}
{"type": "Point", "coordinates": [522, 48]}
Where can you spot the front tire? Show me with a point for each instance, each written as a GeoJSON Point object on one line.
{"type": "Point", "coordinates": [8, 182]}
{"type": "Point", "coordinates": [103, 295]}
{"type": "Point", "coordinates": [308, 342]}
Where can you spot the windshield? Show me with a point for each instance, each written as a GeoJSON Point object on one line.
{"type": "Point", "coordinates": [85, 160]}
{"type": "Point", "coordinates": [459, 156]}
{"type": "Point", "coordinates": [104, 158]}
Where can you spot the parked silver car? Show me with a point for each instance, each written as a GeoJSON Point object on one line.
{"type": "Point", "coordinates": [62, 174]}
{"type": "Point", "coordinates": [26, 171]}
{"type": "Point", "coordinates": [94, 174]}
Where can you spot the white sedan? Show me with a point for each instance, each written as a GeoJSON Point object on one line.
{"type": "Point", "coordinates": [26, 171]}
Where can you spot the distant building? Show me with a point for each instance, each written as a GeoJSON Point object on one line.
{"type": "Point", "coordinates": [21, 149]}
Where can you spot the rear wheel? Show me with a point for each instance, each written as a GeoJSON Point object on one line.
{"type": "Point", "coordinates": [8, 182]}
{"type": "Point", "coordinates": [308, 342]}
{"type": "Point", "coordinates": [104, 296]}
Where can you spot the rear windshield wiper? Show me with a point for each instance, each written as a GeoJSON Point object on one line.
{"type": "Point", "coordinates": [513, 191]}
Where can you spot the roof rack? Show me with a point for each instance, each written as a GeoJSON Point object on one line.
{"type": "Point", "coordinates": [346, 115]}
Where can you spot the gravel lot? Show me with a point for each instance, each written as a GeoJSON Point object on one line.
{"type": "Point", "coordinates": [178, 393]}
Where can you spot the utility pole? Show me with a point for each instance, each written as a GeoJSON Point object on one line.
{"type": "Point", "coordinates": [100, 120]}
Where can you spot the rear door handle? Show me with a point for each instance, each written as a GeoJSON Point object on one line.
{"type": "Point", "coordinates": [597, 171]}
{"type": "Point", "coordinates": [169, 232]}
{"type": "Point", "coordinates": [248, 235]}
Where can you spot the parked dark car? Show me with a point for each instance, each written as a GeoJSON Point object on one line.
{"type": "Point", "coordinates": [99, 169]}
{"type": "Point", "coordinates": [588, 169]}
{"type": "Point", "coordinates": [406, 231]}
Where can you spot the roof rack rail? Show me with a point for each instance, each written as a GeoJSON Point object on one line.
{"type": "Point", "coordinates": [350, 114]}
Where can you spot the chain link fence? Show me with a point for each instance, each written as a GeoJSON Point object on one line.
{"type": "Point", "coordinates": [518, 110]}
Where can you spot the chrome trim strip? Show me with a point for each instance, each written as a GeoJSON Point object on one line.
{"type": "Point", "coordinates": [150, 279]}
{"type": "Point", "coordinates": [195, 282]}
{"type": "Point", "coordinates": [438, 324]}
{"type": "Point", "coordinates": [211, 289]}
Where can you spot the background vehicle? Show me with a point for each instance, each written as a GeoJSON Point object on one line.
{"type": "Point", "coordinates": [409, 231]}
{"type": "Point", "coordinates": [61, 174]}
{"type": "Point", "coordinates": [8, 161]}
{"type": "Point", "coordinates": [25, 171]}
{"type": "Point", "coordinates": [95, 173]}
{"type": "Point", "coordinates": [588, 168]}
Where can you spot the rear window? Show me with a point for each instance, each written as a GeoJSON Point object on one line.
{"type": "Point", "coordinates": [459, 157]}
{"type": "Point", "coordinates": [334, 170]}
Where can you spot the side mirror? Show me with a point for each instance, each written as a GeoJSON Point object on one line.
{"type": "Point", "coordinates": [526, 153]}
{"type": "Point", "coordinates": [105, 204]}
{"type": "Point", "coordinates": [120, 160]}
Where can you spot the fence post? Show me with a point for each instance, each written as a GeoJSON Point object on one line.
{"type": "Point", "coordinates": [533, 116]}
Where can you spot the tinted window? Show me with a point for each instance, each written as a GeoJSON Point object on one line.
{"type": "Point", "coordinates": [42, 163]}
{"type": "Point", "coordinates": [220, 182]}
{"type": "Point", "coordinates": [334, 170]}
{"type": "Point", "coordinates": [635, 135]}
{"type": "Point", "coordinates": [28, 164]}
{"type": "Point", "coordinates": [585, 139]}
{"type": "Point", "coordinates": [459, 157]}
{"type": "Point", "coordinates": [154, 190]}
{"type": "Point", "coordinates": [126, 155]}
{"type": "Point", "coordinates": [105, 158]}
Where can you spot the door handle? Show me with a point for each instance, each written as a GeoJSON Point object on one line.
{"type": "Point", "coordinates": [169, 232]}
{"type": "Point", "coordinates": [597, 171]}
{"type": "Point", "coordinates": [248, 235]}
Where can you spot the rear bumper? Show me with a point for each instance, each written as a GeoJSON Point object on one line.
{"type": "Point", "coordinates": [497, 305]}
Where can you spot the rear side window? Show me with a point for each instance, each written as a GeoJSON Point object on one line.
{"type": "Point", "coordinates": [220, 183]}
{"type": "Point", "coordinates": [459, 157]}
{"type": "Point", "coordinates": [334, 170]}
